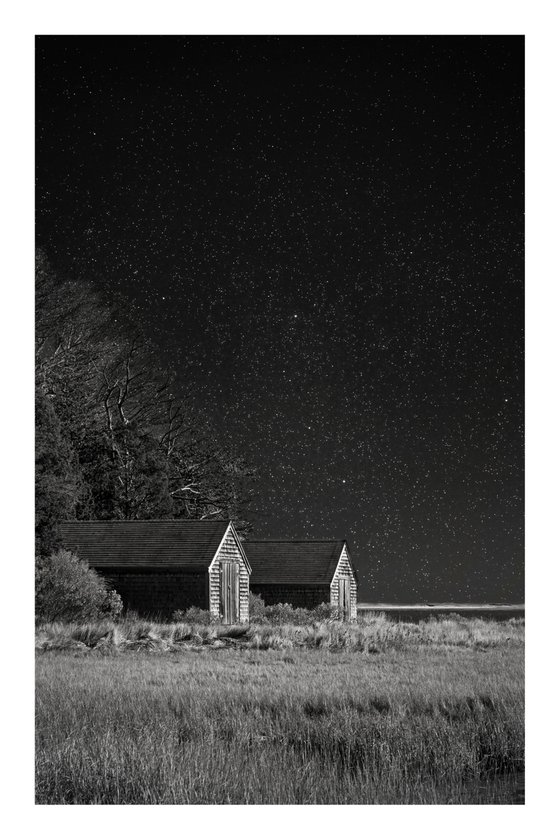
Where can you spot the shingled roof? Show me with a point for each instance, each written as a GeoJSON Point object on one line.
{"type": "Point", "coordinates": [144, 543]}
{"type": "Point", "coordinates": [293, 561]}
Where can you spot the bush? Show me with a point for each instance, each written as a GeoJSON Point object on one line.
{"type": "Point", "coordinates": [286, 614]}
{"type": "Point", "coordinates": [192, 615]}
{"type": "Point", "coordinates": [283, 614]}
{"type": "Point", "coordinates": [257, 608]}
{"type": "Point", "coordinates": [66, 589]}
{"type": "Point", "coordinates": [259, 613]}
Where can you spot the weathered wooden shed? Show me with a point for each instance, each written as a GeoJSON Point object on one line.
{"type": "Point", "coordinates": [304, 573]}
{"type": "Point", "coordinates": [159, 566]}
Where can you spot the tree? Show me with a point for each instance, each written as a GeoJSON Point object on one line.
{"type": "Point", "coordinates": [139, 451]}
{"type": "Point", "coordinates": [74, 334]}
{"type": "Point", "coordinates": [58, 482]}
{"type": "Point", "coordinates": [214, 485]}
{"type": "Point", "coordinates": [164, 459]}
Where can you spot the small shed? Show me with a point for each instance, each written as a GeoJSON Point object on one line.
{"type": "Point", "coordinates": [304, 573]}
{"type": "Point", "coordinates": [159, 566]}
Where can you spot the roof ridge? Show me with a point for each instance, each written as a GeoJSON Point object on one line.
{"type": "Point", "coordinates": [147, 544]}
{"type": "Point", "coordinates": [296, 541]}
{"type": "Point", "coordinates": [144, 521]}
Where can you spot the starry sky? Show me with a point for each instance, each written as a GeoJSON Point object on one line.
{"type": "Point", "coordinates": [324, 238]}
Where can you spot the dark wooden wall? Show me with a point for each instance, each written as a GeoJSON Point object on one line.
{"type": "Point", "coordinates": [159, 593]}
{"type": "Point", "coordinates": [297, 595]}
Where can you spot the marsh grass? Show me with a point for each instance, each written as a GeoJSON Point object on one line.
{"type": "Point", "coordinates": [178, 713]}
{"type": "Point", "coordinates": [369, 636]}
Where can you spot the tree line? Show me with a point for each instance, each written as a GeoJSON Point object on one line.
{"type": "Point", "coordinates": [113, 441]}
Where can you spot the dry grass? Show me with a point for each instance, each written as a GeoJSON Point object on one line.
{"type": "Point", "coordinates": [328, 714]}
{"type": "Point", "coordinates": [369, 636]}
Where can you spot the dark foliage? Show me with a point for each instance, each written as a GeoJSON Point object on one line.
{"type": "Point", "coordinates": [58, 482]}
{"type": "Point", "coordinates": [66, 589]}
{"type": "Point", "coordinates": [113, 442]}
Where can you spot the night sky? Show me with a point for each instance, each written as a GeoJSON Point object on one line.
{"type": "Point", "coordinates": [324, 238]}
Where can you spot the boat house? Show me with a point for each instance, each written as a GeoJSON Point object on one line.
{"type": "Point", "coordinates": [304, 574]}
{"type": "Point", "coordinates": [159, 566]}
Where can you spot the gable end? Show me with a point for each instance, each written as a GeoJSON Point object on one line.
{"type": "Point", "coordinates": [344, 568]}
{"type": "Point", "coordinates": [229, 549]}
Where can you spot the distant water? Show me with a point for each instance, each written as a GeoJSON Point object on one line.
{"type": "Point", "coordinates": [415, 613]}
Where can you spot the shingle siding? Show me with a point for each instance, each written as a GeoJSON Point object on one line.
{"type": "Point", "coordinates": [344, 568]}
{"type": "Point", "coordinates": [229, 551]}
{"type": "Point", "coordinates": [157, 594]}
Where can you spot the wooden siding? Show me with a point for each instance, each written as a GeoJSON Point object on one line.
{"type": "Point", "coordinates": [344, 568]}
{"type": "Point", "coordinates": [158, 593]}
{"type": "Point", "coordinates": [229, 551]}
{"type": "Point", "coordinates": [229, 592]}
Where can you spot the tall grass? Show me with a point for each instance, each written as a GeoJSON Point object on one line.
{"type": "Point", "coordinates": [370, 636]}
{"type": "Point", "coordinates": [151, 717]}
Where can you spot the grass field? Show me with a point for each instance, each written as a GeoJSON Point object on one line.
{"type": "Point", "coordinates": [373, 713]}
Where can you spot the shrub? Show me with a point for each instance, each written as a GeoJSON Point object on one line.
{"type": "Point", "coordinates": [66, 589]}
{"type": "Point", "coordinates": [280, 614]}
{"type": "Point", "coordinates": [259, 613]}
{"type": "Point", "coordinates": [192, 615]}
{"type": "Point", "coordinates": [257, 608]}
{"type": "Point", "coordinates": [286, 614]}
{"type": "Point", "coordinates": [325, 612]}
